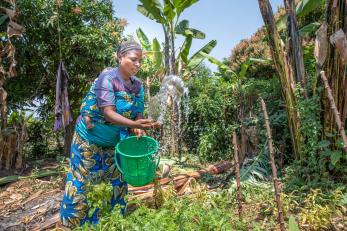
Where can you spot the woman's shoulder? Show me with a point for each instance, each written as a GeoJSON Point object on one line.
{"type": "Point", "coordinates": [105, 77]}
{"type": "Point", "coordinates": [108, 72]}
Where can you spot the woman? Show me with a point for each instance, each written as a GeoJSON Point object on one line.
{"type": "Point", "coordinates": [113, 106]}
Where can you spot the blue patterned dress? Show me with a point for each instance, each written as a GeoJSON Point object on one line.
{"type": "Point", "coordinates": [92, 150]}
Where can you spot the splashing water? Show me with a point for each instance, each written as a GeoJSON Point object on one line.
{"type": "Point", "coordinates": [173, 92]}
{"type": "Point", "coordinates": [172, 86]}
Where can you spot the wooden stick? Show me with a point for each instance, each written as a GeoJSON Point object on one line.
{"type": "Point", "coordinates": [335, 111]}
{"type": "Point", "coordinates": [237, 172]}
{"type": "Point", "coordinates": [274, 170]}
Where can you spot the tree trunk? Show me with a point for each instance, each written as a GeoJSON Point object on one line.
{"type": "Point", "coordinates": [285, 73]}
{"type": "Point", "coordinates": [166, 51]}
{"type": "Point", "coordinates": [294, 46]}
{"type": "Point", "coordinates": [68, 135]}
{"type": "Point", "coordinates": [335, 65]}
{"type": "Point", "coordinates": [173, 58]}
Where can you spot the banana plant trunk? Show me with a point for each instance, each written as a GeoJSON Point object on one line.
{"type": "Point", "coordinates": [285, 73]}
{"type": "Point", "coordinates": [172, 58]}
{"type": "Point", "coordinates": [166, 51]}
{"type": "Point", "coordinates": [294, 46]}
{"type": "Point", "coordinates": [335, 65]}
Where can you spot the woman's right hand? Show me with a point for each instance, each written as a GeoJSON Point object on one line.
{"type": "Point", "coordinates": [143, 123]}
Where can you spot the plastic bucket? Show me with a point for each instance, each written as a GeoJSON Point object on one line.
{"type": "Point", "coordinates": [137, 159]}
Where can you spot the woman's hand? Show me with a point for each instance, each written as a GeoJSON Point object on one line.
{"type": "Point", "coordinates": [138, 132]}
{"type": "Point", "coordinates": [143, 124]}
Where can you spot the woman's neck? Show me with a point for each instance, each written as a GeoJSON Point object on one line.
{"type": "Point", "coordinates": [124, 75]}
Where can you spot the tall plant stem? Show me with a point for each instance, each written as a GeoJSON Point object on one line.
{"type": "Point", "coordinates": [237, 172]}
{"type": "Point", "coordinates": [334, 110]}
{"type": "Point", "coordinates": [273, 167]}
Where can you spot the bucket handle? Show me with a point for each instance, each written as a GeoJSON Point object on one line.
{"type": "Point", "coordinates": [119, 168]}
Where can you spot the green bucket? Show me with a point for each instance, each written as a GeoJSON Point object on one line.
{"type": "Point", "coordinates": [137, 159]}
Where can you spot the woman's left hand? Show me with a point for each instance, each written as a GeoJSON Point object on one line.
{"type": "Point", "coordinates": [139, 132]}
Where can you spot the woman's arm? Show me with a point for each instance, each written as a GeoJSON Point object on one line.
{"type": "Point", "coordinates": [113, 117]}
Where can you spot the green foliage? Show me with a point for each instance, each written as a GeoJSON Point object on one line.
{"type": "Point", "coordinates": [204, 210]}
{"type": "Point", "coordinates": [293, 225]}
{"type": "Point", "coordinates": [258, 168]}
{"type": "Point", "coordinates": [99, 197]}
{"type": "Point", "coordinates": [40, 142]}
{"type": "Point", "coordinates": [211, 115]}
{"type": "Point", "coordinates": [200, 211]}
{"type": "Point", "coordinates": [89, 36]}
{"type": "Point", "coordinates": [307, 11]}
{"type": "Point", "coordinates": [318, 208]}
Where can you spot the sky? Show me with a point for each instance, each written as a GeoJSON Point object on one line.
{"type": "Point", "coordinates": [227, 21]}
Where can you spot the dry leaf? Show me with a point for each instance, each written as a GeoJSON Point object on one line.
{"type": "Point", "coordinates": [42, 210]}
{"type": "Point", "coordinates": [12, 72]}
{"type": "Point", "coordinates": [76, 10]}
{"type": "Point", "coordinates": [11, 13]}
{"type": "Point", "coordinates": [14, 29]}
{"type": "Point", "coordinates": [185, 187]}
{"type": "Point", "coordinates": [321, 44]}
{"type": "Point", "coordinates": [5, 49]}
{"type": "Point", "coordinates": [27, 219]}
{"type": "Point", "coordinates": [59, 2]}
{"type": "Point", "coordinates": [338, 39]}
{"type": "Point", "coordinates": [123, 22]}
{"type": "Point", "coordinates": [35, 195]}
{"type": "Point", "coordinates": [12, 2]}
{"type": "Point", "coordinates": [16, 196]}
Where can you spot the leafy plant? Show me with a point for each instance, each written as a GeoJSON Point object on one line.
{"type": "Point", "coordinates": [99, 198]}
{"type": "Point", "coordinates": [168, 15]}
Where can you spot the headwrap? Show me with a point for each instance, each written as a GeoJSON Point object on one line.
{"type": "Point", "coordinates": [128, 46]}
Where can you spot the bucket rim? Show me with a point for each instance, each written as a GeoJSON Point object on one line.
{"type": "Point", "coordinates": [147, 154]}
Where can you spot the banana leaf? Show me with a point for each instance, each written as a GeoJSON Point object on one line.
{"type": "Point", "coordinates": [183, 29]}
{"type": "Point", "coordinates": [185, 49]}
{"type": "Point", "coordinates": [143, 39]}
{"type": "Point", "coordinates": [169, 10]}
{"type": "Point", "coordinates": [219, 64]}
{"type": "Point", "coordinates": [3, 18]}
{"type": "Point", "coordinates": [309, 29]}
{"type": "Point", "coordinates": [158, 55]}
{"type": "Point", "coordinates": [304, 7]}
{"type": "Point", "coordinates": [10, 179]}
{"type": "Point", "coordinates": [152, 9]}
{"type": "Point", "coordinates": [181, 5]}
{"type": "Point", "coordinates": [198, 57]}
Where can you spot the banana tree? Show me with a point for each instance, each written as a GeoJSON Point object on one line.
{"type": "Point", "coordinates": [8, 139]}
{"type": "Point", "coordinates": [168, 15]}
{"type": "Point", "coordinates": [155, 55]}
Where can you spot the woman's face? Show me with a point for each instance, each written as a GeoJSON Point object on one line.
{"type": "Point", "coordinates": [130, 62]}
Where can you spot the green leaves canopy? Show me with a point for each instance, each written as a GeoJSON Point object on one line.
{"type": "Point", "coordinates": [90, 34]}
